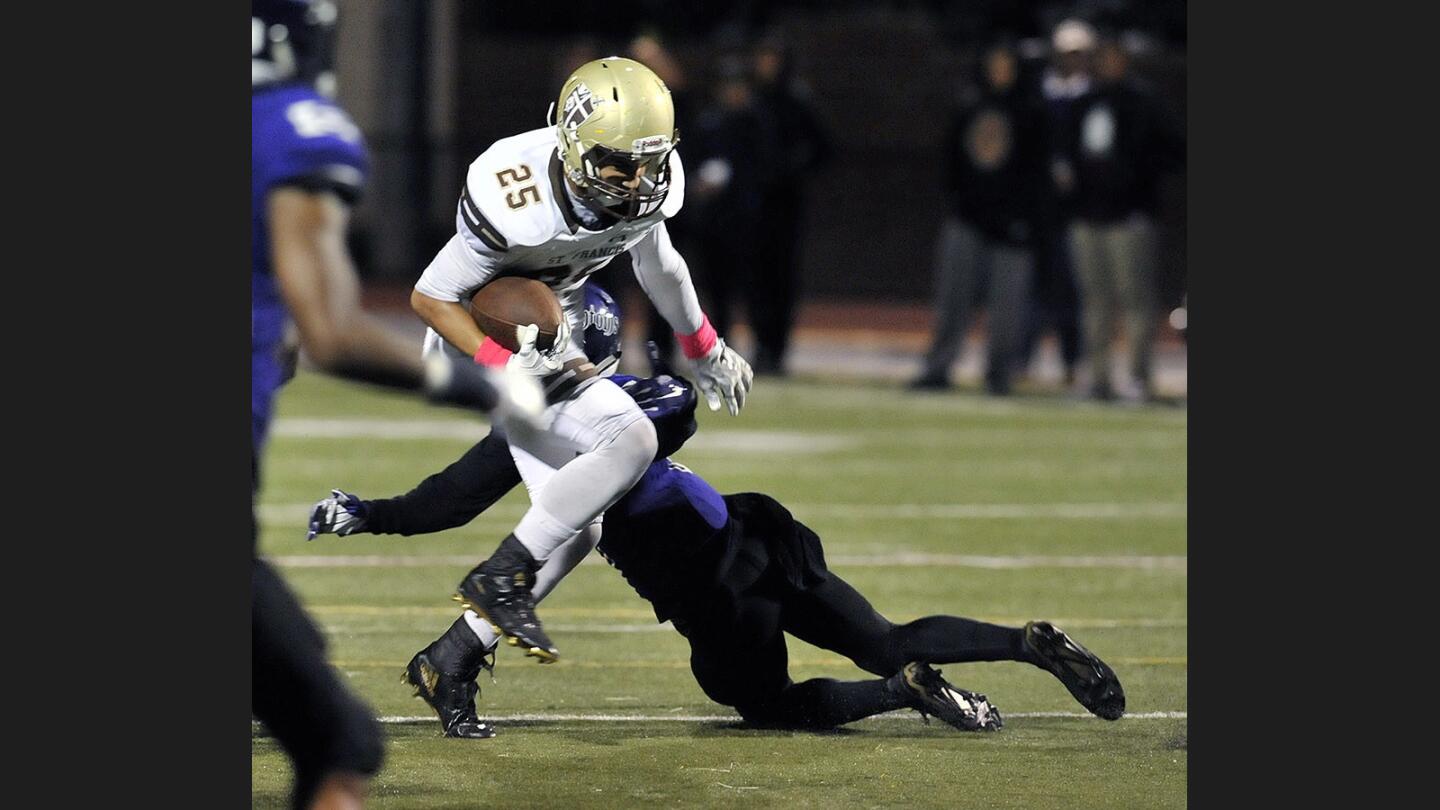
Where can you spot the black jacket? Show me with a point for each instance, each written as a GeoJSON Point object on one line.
{"type": "Point", "coordinates": [747, 141]}
{"type": "Point", "coordinates": [996, 162]}
{"type": "Point", "coordinates": [1120, 140]}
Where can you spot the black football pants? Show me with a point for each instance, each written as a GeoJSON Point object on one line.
{"type": "Point", "coordinates": [738, 655]}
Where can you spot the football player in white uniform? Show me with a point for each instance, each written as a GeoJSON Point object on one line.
{"type": "Point", "coordinates": [556, 204]}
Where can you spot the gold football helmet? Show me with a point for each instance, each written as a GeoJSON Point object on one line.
{"type": "Point", "coordinates": [616, 112]}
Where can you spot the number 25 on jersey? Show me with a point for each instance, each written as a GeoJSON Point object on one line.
{"type": "Point", "coordinates": [523, 196]}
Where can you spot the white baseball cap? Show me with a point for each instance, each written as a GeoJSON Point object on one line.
{"type": "Point", "coordinates": [1073, 35]}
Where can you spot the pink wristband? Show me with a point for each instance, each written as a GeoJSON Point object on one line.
{"type": "Point", "coordinates": [699, 344]}
{"type": "Point", "coordinates": [492, 354]}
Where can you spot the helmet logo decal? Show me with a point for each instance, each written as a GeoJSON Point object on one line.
{"type": "Point", "coordinates": [579, 106]}
{"type": "Point", "coordinates": [654, 143]}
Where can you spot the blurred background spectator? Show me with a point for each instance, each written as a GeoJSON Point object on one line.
{"type": "Point", "coordinates": [732, 157]}
{"type": "Point", "coordinates": [996, 169]}
{"type": "Point", "coordinates": [804, 147]}
{"type": "Point", "coordinates": [1115, 143]}
{"type": "Point", "coordinates": [1055, 305]}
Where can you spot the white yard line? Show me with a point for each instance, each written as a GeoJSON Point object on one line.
{"type": "Point", "coordinates": [745, 442]}
{"type": "Point", "coordinates": [684, 664]}
{"type": "Point", "coordinates": [914, 560]}
{"type": "Point", "coordinates": [987, 511]}
{"type": "Point", "coordinates": [722, 718]}
{"type": "Point", "coordinates": [299, 513]}
{"type": "Point", "coordinates": [666, 627]}
{"type": "Point", "coordinates": [727, 718]}
{"type": "Point", "coordinates": [740, 441]}
{"type": "Point", "coordinates": [471, 430]}
{"type": "Point", "coordinates": [647, 624]}
{"type": "Point", "coordinates": [1177, 564]}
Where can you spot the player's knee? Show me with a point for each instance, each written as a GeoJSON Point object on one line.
{"type": "Point", "coordinates": [637, 444]}
{"type": "Point", "coordinates": [882, 651]}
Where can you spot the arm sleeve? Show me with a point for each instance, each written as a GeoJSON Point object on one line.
{"type": "Point", "coordinates": [457, 271]}
{"type": "Point", "coordinates": [315, 146]}
{"type": "Point", "coordinates": [452, 497]}
{"type": "Point", "coordinates": [346, 181]}
{"type": "Point", "coordinates": [665, 277]}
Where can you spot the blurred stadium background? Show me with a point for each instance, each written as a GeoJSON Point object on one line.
{"type": "Point", "coordinates": [1005, 510]}
{"type": "Point", "coordinates": [432, 84]}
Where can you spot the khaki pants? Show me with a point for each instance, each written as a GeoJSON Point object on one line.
{"type": "Point", "coordinates": [1115, 267]}
{"type": "Point", "coordinates": [967, 263]}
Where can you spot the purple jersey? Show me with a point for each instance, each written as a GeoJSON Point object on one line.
{"type": "Point", "coordinates": [298, 137]}
{"type": "Point", "coordinates": [669, 528]}
{"type": "Point", "coordinates": [666, 490]}
{"type": "Point", "coordinates": [684, 547]}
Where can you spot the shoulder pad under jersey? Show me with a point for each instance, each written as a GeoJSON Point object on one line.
{"type": "Point", "coordinates": [510, 196]}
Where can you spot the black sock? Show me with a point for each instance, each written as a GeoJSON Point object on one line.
{"type": "Point", "coordinates": [512, 554]}
{"type": "Point", "coordinates": [953, 640]}
{"type": "Point", "coordinates": [458, 653]}
{"type": "Point", "coordinates": [825, 703]}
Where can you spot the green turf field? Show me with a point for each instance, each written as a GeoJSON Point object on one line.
{"type": "Point", "coordinates": [1003, 510]}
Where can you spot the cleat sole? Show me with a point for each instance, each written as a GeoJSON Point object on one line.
{"type": "Point", "coordinates": [545, 656]}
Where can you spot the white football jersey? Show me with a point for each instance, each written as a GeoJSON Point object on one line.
{"type": "Point", "coordinates": [515, 219]}
{"type": "Point", "coordinates": [515, 216]}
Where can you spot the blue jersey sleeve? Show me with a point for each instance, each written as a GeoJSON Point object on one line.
{"type": "Point", "coordinates": [298, 138]}
{"type": "Point", "coordinates": [304, 139]}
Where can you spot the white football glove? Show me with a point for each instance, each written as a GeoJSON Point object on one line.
{"type": "Point", "coordinates": [530, 360]}
{"type": "Point", "coordinates": [724, 375]}
{"type": "Point", "coordinates": [521, 412]}
{"type": "Point", "coordinates": [513, 398]}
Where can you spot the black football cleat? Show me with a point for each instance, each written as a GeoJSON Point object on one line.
{"type": "Point", "coordinates": [1089, 679]}
{"type": "Point", "coordinates": [453, 699]}
{"type": "Point", "coordinates": [499, 591]}
{"type": "Point", "coordinates": [925, 691]}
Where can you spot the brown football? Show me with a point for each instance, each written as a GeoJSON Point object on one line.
{"type": "Point", "coordinates": [505, 303]}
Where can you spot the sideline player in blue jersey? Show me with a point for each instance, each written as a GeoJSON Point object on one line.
{"type": "Point", "coordinates": [732, 573]}
{"type": "Point", "coordinates": [308, 165]}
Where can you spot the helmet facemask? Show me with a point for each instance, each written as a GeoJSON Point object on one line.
{"type": "Point", "coordinates": [615, 195]}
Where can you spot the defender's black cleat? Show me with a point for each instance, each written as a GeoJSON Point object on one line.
{"type": "Point", "coordinates": [453, 699]}
{"type": "Point", "coordinates": [499, 591]}
{"type": "Point", "coordinates": [925, 691]}
{"type": "Point", "coordinates": [1087, 677]}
